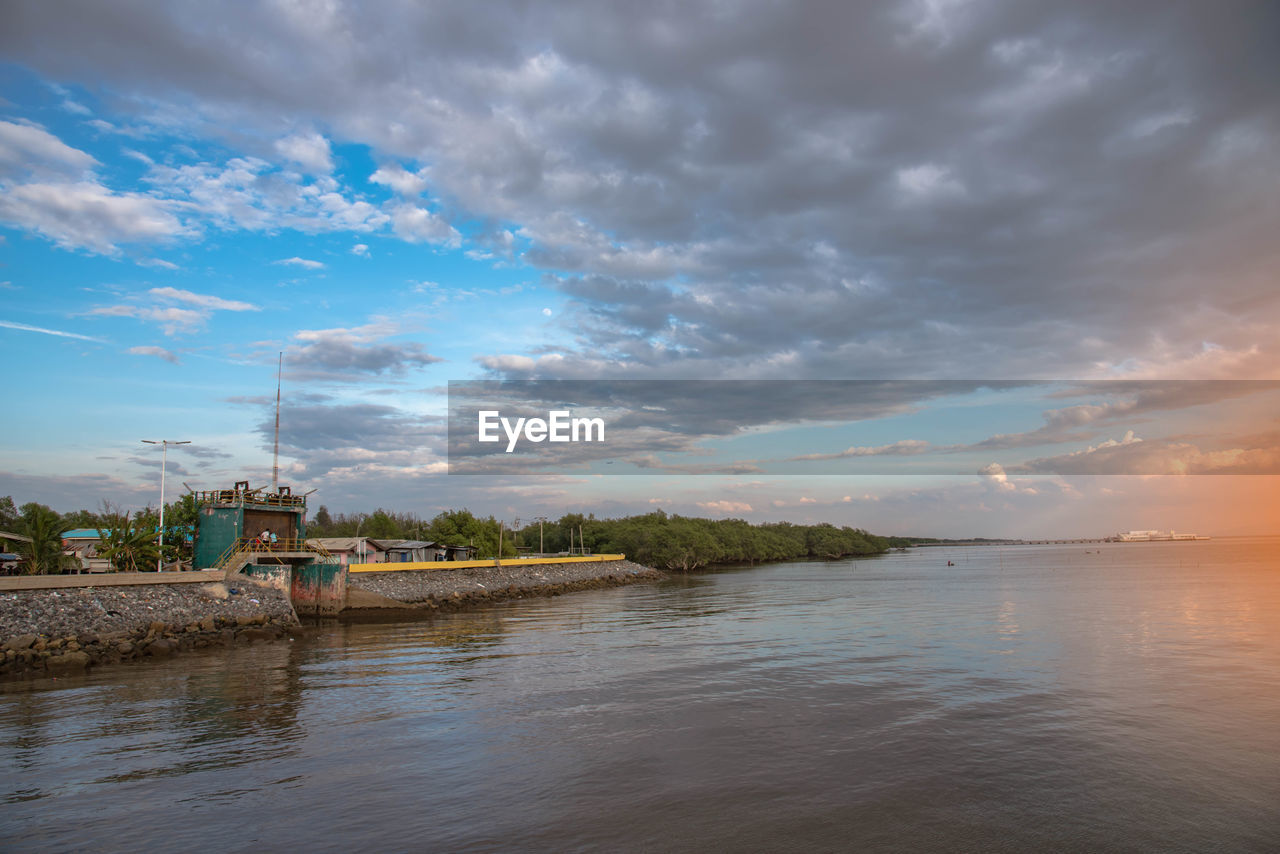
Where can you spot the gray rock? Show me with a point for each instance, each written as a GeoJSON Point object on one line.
{"type": "Point", "coordinates": [216, 590]}
{"type": "Point", "coordinates": [70, 661]}
{"type": "Point", "coordinates": [21, 642]}
{"type": "Point", "coordinates": [160, 647]}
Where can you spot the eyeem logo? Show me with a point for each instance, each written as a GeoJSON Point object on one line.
{"type": "Point", "coordinates": [556, 427]}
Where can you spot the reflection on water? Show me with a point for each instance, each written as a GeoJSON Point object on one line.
{"type": "Point", "coordinates": [1111, 698]}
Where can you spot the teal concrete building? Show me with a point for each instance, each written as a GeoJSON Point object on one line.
{"type": "Point", "coordinates": [231, 518]}
{"type": "Point", "coordinates": [263, 534]}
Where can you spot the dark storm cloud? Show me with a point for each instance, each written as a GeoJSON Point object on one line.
{"type": "Point", "coordinates": [353, 353]}
{"type": "Point", "coordinates": [203, 453]}
{"type": "Point", "coordinates": [1161, 457]}
{"type": "Point", "coordinates": [171, 467]}
{"type": "Point", "coordinates": [321, 437]}
{"type": "Point", "coordinates": [702, 408]}
{"type": "Point", "coordinates": [818, 189]}
{"type": "Point", "coordinates": [345, 360]}
{"type": "Point", "coordinates": [672, 426]}
{"type": "Point", "coordinates": [78, 491]}
{"type": "Point", "coordinates": [344, 425]}
{"type": "Point", "coordinates": [1128, 402]}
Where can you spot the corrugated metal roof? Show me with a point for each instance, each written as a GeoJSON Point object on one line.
{"type": "Point", "coordinates": [80, 534]}
{"type": "Point", "coordinates": [345, 544]}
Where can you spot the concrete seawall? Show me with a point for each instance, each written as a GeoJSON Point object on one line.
{"type": "Point", "coordinates": [55, 626]}
{"type": "Point", "coordinates": [56, 630]}
{"type": "Point", "coordinates": [468, 586]}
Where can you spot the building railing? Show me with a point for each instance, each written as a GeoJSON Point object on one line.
{"type": "Point", "coordinates": [251, 496]}
{"type": "Point", "coordinates": [257, 546]}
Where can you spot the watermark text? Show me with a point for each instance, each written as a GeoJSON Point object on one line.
{"type": "Point", "coordinates": [558, 426]}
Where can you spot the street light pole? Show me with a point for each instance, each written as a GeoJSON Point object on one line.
{"type": "Point", "coordinates": [164, 460]}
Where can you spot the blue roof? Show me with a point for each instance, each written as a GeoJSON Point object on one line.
{"type": "Point", "coordinates": [80, 534]}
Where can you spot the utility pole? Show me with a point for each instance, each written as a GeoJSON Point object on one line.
{"type": "Point", "coordinates": [275, 459]}
{"type": "Point", "coordinates": [540, 520]}
{"type": "Point", "coordinates": [164, 460]}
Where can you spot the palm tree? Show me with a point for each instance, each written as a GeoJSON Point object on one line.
{"type": "Point", "coordinates": [129, 547]}
{"type": "Point", "coordinates": [43, 555]}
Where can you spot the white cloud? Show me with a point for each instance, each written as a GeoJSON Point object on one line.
{"type": "Point", "coordinates": [1134, 456]}
{"type": "Point", "coordinates": [540, 121]}
{"type": "Point", "coordinates": [172, 320]}
{"type": "Point", "coordinates": [175, 319]}
{"type": "Point", "coordinates": [360, 249]}
{"type": "Point", "coordinates": [339, 352]}
{"type": "Point", "coordinates": [506, 362]}
{"type": "Point", "coordinates": [1128, 439]}
{"type": "Point", "coordinates": [994, 475]}
{"type": "Point", "coordinates": [295, 261]}
{"type": "Point", "coordinates": [24, 147]}
{"type": "Point", "coordinates": [404, 183]}
{"type": "Point", "coordinates": [901, 448]}
{"type": "Point", "coordinates": [928, 180]}
{"type": "Point", "coordinates": [8, 324]}
{"type": "Point", "coordinates": [202, 300]}
{"type": "Point", "coordinates": [725, 506]}
{"type": "Point", "coordinates": [87, 215]}
{"type": "Point", "coordinates": [158, 352]}
{"type": "Point", "coordinates": [247, 193]}
{"type": "Point", "coordinates": [419, 225]}
{"type": "Point", "coordinates": [308, 150]}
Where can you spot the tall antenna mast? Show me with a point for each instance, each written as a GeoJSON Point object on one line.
{"type": "Point", "coordinates": [275, 461]}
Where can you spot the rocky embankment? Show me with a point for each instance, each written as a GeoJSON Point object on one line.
{"type": "Point", "coordinates": [451, 589]}
{"type": "Point", "coordinates": [69, 629]}
{"type": "Point", "coordinates": [65, 630]}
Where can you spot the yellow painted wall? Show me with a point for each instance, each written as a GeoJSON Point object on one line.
{"type": "Point", "coordinates": [460, 564]}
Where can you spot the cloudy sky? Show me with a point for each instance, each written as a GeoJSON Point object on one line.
{"type": "Point", "coordinates": [398, 196]}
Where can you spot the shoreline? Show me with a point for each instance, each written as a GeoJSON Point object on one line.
{"type": "Point", "coordinates": [454, 589]}
{"type": "Point", "coordinates": [66, 630]}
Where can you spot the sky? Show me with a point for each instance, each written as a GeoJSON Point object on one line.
{"type": "Point", "coordinates": [669, 204]}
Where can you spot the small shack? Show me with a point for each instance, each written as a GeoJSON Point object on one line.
{"type": "Point", "coordinates": [351, 549]}
{"type": "Point", "coordinates": [9, 559]}
{"type": "Point", "coordinates": [413, 551]}
{"type": "Point", "coordinates": [83, 543]}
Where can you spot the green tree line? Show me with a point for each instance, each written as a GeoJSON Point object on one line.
{"type": "Point", "coordinates": [684, 543]}
{"type": "Point", "coordinates": [670, 542]}
{"type": "Point", "coordinates": [679, 543]}
{"type": "Point", "coordinates": [128, 541]}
